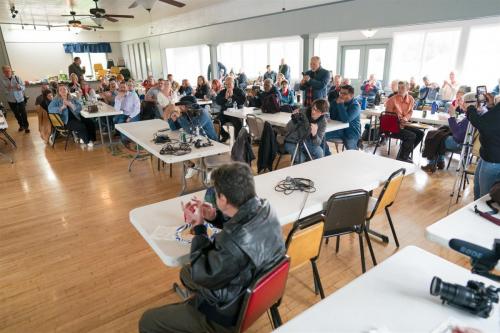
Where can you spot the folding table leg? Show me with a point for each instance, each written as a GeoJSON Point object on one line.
{"type": "Point", "coordinates": [12, 141]}
{"type": "Point", "coordinates": [100, 130]}
{"type": "Point", "coordinates": [135, 157]}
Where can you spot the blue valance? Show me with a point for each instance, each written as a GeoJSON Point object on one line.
{"type": "Point", "coordinates": [87, 47]}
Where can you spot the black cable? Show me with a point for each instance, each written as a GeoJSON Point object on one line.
{"type": "Point", "coordinates": [290, 185]}
{"type": "Point", "coordinates": [178, 148]}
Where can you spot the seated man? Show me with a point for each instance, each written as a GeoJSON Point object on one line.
{"type": "Point", "coordinates": [447, 92]}
{"type": "Point", "coordinates": [307, 127]}
{"type": "Point", "coordinates": [188, 115]}
{"type": "Point", "coordinates": [414, 88]}
{"type": "Point", "coordinates": [109, 95]}
{"type": "Point", "coordinates": [185, 89]}
{"type": "Point", "coordinates": [346, 109]}
{"type": "Point", "coordinates": [427, 94]}
{"type": "Point", "coordinates": [269, 89]}
{"type": "Point", "coordinates": [402, 105]}
{"type": "Point", "coordinates": [44, 86]}
{"type": "Point", "coordinates": [334, 91]}
{"type": "Point", "coordinates": [128, 102]}
{"type": "Point", "coordinates": [455, 134]}
{"type": "Point", "coordinates": [221, 269]}
{"type": "Point", "coordinates": [228, 98]}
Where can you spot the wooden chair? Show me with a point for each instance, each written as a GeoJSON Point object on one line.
{"type": "Point", "coordinates": [345, 214]}
{"type": "Point", "coordinates": [384, 201]}
{"type": "Point", "coordinates": [59, 128]}
{"type": "Point", "coordinates": [115, 70]}
{"type": "Point", "coordinates": [303, 246]}
{"type": "Point", "coordinates": [44, 125]}
{"type": "Point", "coordinates": [101, 73]}
{"type": "Point", "coordinates": [265, 294]}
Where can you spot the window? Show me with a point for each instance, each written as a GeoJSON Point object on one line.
{"type": "Point", "coordinates": [188, 62]}
{"type": "Point", "coordinates": [326, 49]}
{"type": "Point", "coordinates": [431, 53]}
{"type": "Point", "coordinates": [89, 59]}
{"type": "Point", "coordinates": [288, 50]}
{"type": "Point", "coordinates": [481, 66]}
{"type": "Point", "coordinates": [254, 56]}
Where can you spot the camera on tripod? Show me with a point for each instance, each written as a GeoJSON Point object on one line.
{"type": "Point", "coordinates": [474, 298]}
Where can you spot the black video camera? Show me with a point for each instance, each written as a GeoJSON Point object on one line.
{"type": "Point", "coordinates": [474, 298]}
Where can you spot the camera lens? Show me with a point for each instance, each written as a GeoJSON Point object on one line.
{"type": "Point", "coordinates": [435, 286]}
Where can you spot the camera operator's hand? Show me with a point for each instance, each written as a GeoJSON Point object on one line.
{"type": "Point", "coordinates": [452, 110]}
{"type": "Point", "coordinates": [314, 129]}
{"type": "Point", "coordinates": [175, 115]}
{"type": "Point", "coordinates": [490, 99]}
{"type": "Point", "coordinates": [207, 210]}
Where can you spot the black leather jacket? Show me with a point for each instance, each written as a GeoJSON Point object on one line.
{"type": "Point", "coordinates": [249, 244]}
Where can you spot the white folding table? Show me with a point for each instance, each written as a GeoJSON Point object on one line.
{"type": "Point", "coordinates": [142, 133]}
{"type": "Point", "coordinates": [279, 119]}
{"type": "Point", "coordinates": [439, 118]}
{"type": "Point", "coordinates": [348, 170]}
{"type": "Point", "coordinates": [104, 110]}
{"type": "Point", "coordinates": [466, 225]}
{"type": "Point", "coordinates": [3, 129]}
{"type": "Point", "coordinates": [203, 102]}
{"type": "Point", "coordinates": [394, 296]}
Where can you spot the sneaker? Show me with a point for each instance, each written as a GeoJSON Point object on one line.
{"type": "Point", "coordinates": [440, 165]}
{"type": "Point", "coordinates": [75, 137]}
{"type": "Point", "coordinates": [190, 173]}
{"type": "Point", "coordinates": [429, 168]}
{"type": "Point", "coordinates": [90, 144]}
{"type": "Point", "coordinates": [51, 139]}
{"type": "Point", "coordinates": [27, 130]}
{"type": "Point", "coordinates": [20, 129]}
{"type": "Point", "coordinates": [81, 141]}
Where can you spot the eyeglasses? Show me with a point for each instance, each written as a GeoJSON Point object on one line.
{"type": "Point", "coordinates": [344, 93]}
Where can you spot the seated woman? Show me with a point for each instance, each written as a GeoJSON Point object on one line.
{"type": "Point", "coordinates": [69, 109]}
{"type": "Point", "coordinates": [287, 94]}
{"type": "Point", "coordinates": [185, 89]}
{"type": "Point", "coordinates": [74, 85]}
{"type": "Point", "coordinates": [202, 88]}
{"type": "Point", "coordinates": [87, 92]}
{"type": "Point", "coordinates": [456, 134]}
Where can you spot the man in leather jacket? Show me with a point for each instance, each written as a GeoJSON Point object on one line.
{"type": "Point", "coordinates": [220, 271]}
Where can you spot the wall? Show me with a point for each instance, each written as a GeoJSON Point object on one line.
{"type": "Point", "coordinates": [336, 17]}
{"type": "Point", "coordinates": [37, 54]}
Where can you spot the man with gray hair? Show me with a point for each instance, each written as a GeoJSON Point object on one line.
{"type": "Point", "coordinates": [13, 89]}
{"type": "Point", "coordinates": [314, 82]}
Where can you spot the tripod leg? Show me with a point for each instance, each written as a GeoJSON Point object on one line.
{"type": "Point", "coordinates": [295, 154]}
{"type": "Point", "coordinates": [307, 151]}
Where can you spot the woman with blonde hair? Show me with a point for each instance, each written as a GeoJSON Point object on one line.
{"type": "Point", "coordinates": [69, 108]}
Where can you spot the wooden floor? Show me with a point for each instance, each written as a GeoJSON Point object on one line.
{"type": "Point", "coordinates": [70, 261]}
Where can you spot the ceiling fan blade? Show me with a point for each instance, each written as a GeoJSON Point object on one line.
{"type": "Point", "coordinates": [77, 15]}
{"type": "Point", "coordinates": [174, 3]}
{"type": "Point", "coordinates": [84, 27]}
{"type": "Point", "coordinates": [110, 19]}
{"type": "Point", "coordinates": [133, 5]}
{"type": "Point", "coordinates": [121, 16]}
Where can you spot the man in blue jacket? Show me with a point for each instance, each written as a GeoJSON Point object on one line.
{"type": "Point", "coordinates": [346, 109]}
{"type": "Point", "coordinates": [314, 82]}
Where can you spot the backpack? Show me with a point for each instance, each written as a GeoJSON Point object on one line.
{"type": "Point", "coordinates": [271, 104]}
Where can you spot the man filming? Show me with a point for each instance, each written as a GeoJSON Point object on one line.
{"type": "Point", "coordinates": [307, 130]}
{"type": "Point", "coordinates": [220, 270]}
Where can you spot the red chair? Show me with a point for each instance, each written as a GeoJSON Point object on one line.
{"type": "Point", "coordinates": [389, 126]}
{"type": "Point", "coordinates": [265, 294]}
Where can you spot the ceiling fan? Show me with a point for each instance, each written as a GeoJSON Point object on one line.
{"type": "Point", "coordinates": [148, 4]}
{"type": "Point", "coordinates": [74, 23]}
{"type": "Point", "coordinates": [98, 14]}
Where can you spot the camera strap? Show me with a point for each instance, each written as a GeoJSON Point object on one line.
{"type": "Point", "coordinates": [487, 216]}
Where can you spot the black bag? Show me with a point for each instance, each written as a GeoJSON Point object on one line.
{"type": "Point", "coordinates": [374, 133]}
{"type": "Point", "coordinates": [271, 104]}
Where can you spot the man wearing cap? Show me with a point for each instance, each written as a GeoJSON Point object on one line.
{"type": "Point", "coordinates": [188, 115]}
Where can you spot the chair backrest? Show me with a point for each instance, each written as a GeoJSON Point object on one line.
{"type": "Point", "coordinates": [304, 242]}
{"type": "Point", "coordinates": [101, 73]}
{"type": "Point", "coordinates": [98, 67]}
{"type": "Point", "coordinates": [389, 191]}
{"type": "Point", "coordinates": [263, 294]}
{"type": "Point", "coordinates": [344, 211]}
{"type": "Point", "coordinates": [256, 126]}
{"type": "Point", "coordinates": [56, 121]}
{"type": "Point", "coordinates": [115, 70]}
{"type": "Point", "coordinates": [389, 123]}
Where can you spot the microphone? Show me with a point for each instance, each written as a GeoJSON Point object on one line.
{"type": "Point", "coordinates": [483, 260]}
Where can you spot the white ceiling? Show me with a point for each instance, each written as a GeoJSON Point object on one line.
{"type": "Point", "coordinates": [45, 12]}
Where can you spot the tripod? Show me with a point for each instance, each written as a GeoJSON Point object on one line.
{"type": "Point", "coordinates": [299, 145]}
{"type": "Point", "coordinates": [465, 161]}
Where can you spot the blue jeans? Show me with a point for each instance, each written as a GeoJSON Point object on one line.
{"type": "Point", "coordinates": [315, 151]}
{"type": "Point", "coordinates": [487, 174]}
{"type": "Point", "coordinates": [121, 118]}
{"type": "Point", "coordinates": [450, 145]}
{"type": "Point", "coordinates": [350, 143]}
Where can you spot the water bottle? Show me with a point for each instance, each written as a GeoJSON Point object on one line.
{"type": "Point", "coordinates": [434, 107]}
{"type": "Point", "coordinates": [424, 113]}
{"type": "Point", "coordinates": [235, 106]}
{"type": "Point", "coordinates": [363, 103]}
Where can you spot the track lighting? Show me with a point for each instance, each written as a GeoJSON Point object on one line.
{"type": "Point", "coordinates": [13, 11]}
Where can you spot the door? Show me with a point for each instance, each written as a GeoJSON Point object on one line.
{"type": "Point", "coordinates": [358, 62]}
